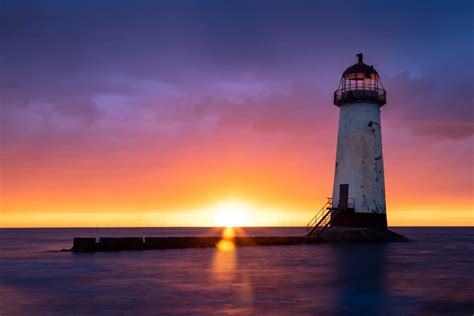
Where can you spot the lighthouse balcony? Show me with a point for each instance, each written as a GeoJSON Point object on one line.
{"type": "Point", "coordinates": [351, 95]}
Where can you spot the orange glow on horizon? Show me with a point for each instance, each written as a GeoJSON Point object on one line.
{"type": "Point", "coordinates": [198, 182]}
{"type": "Point", "coordinates": [435, 215]}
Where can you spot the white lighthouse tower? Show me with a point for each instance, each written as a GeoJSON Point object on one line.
{"type": "Point", "coordinates": [359, 189]}
{"type": "Point", "coordinates": [357, 209]}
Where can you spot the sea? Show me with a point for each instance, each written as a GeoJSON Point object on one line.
{"type": "Point", "coordinates": [433, 274]}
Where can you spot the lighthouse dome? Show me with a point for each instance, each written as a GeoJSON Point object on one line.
{"type": "Point", "coordinates": [360, 67]}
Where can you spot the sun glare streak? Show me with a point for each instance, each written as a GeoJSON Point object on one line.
{"type": "Point", "coordinates": [227, 241]}
{"type": "Point", "coordinates": [228, 233]}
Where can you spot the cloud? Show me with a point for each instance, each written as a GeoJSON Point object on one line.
{"type": "Point", "coordinates": [296, 109]}
{"type": "Point", "coordinates": [446, 131]}
{"type": "Point", "coordinates": [431, 105]}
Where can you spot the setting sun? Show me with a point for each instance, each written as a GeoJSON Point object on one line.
{"type": "Point", "coordinates": [230, 215]}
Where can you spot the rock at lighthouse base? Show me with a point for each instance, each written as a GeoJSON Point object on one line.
{"type": "Point", "coordinates": [361, 235]}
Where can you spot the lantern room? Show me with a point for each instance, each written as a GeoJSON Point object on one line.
{"type": "Point", "coordinates": [360, 83]}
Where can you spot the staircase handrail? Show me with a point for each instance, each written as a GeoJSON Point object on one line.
{"type": "Point", "coordinates": [319, 214]}
{"type": "Point", "coordinates": [318, 224]}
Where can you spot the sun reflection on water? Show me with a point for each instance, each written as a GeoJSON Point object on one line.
{"type": "Point", "coordinates": [229, 276]}
{"type": "Point", "coordinates": [225, 245]}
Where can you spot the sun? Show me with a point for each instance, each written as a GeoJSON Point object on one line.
{"type": "Point", "coordinates": [230, 215]}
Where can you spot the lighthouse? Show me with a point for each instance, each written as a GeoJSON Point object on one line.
{"type": "Point", "coordinates": [358, 195]}
{"type": "Point", "coordinates": [357, 208]}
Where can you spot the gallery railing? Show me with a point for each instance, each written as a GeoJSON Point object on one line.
{"type": "Point", "coordinates": [353, 94]}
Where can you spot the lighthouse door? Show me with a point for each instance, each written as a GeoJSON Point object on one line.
{"type": "Point", "coordinates": [343, 196]}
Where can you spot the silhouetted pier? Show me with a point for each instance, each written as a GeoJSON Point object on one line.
{"type": "Point", "coordinates": [331, 234]}
{"type": "Point", "coordinates": [145, 243]}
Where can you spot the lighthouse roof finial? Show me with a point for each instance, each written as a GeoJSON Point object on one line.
{"type": "Point", "coordinates": [360, 66]}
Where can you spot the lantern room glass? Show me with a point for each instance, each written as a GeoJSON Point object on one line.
{"type": "Point", "coordinates": [360, 81]}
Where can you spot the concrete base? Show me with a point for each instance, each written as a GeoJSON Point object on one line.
{"type": "Point", "coordinates": [347, 218]}
{"type": "Point", "coordinates": [337, 234]}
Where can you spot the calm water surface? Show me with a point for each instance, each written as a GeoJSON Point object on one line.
{"type": "Point", "coordinates": [433, 275]}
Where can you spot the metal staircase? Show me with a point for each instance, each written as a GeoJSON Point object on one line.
{"type": "Point", "coordinates": [325, 215]}
{"type": "Point", "coordinates": [321, 220]}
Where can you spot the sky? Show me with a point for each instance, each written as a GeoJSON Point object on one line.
{"type": "Point", "coordinates": [153, 113]}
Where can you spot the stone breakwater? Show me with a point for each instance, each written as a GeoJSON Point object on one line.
{"type": "Point", "coordinates": [332, 234]}
{"type": "Point", "coordinates": [145, 243]}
